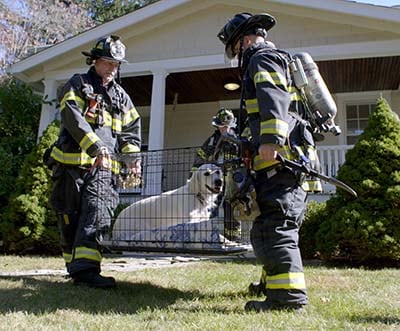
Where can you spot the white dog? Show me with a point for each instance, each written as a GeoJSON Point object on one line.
{"type": "Point", "coordinates": [191, 203]}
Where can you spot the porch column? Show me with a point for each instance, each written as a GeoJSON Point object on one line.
{"type": "Point", "coordinates": [153, 176]}
{"type": "Point", "coordinates": [157, 111]}
{"type": "Point", "coordinates": [49, 112]}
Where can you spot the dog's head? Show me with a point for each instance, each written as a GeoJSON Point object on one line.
{"type": "Point", "coordinates": [208, 179]}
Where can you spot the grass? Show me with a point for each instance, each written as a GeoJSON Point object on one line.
{"type": "Point", "coordinates": [208, 295]}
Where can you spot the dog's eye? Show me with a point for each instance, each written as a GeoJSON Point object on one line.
{"type": "Point", "coordinates": [207, 173]}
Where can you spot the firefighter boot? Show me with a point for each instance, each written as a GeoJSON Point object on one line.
{"type": "Point", "coordinates": [92, 278]}
{"type": "Point", "coordinates": [260, 306]}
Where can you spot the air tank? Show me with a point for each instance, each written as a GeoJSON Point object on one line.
{"type": "Point", "coordinates": [319, 98]}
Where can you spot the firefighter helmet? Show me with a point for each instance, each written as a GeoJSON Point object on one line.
{"type": "Point", "coordinates": [224, 117]}
{"type": "Point", "coordinates": [241, 24]}
{"type": "Point", "coordinates": [109, 47]}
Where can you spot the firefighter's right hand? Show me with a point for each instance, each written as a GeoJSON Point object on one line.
{"type": "Point", "coordinates": [103, 159]}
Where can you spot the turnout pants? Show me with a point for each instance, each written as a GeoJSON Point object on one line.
{"type": "Point", "coordinates": [275, 234]}
{"type": "Point", "coordinates": [85, 202]}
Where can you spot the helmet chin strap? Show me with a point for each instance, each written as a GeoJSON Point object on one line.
{"type": "Point", "coordinates": [240, 58]}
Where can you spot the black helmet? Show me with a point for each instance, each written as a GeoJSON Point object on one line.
{"type": "Point", "coordinates": [241, 24]}
{"type": "Point", "coordinates": [109, 47]}
{"type": "Point", "coordinates": [224, 117]}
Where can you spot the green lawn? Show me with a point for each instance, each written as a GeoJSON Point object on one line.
{"type": "Point", "coordinates": [207, 295]}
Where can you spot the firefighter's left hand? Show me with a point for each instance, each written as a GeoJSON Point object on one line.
{"type": "Point", "coordinates": [134, 167]}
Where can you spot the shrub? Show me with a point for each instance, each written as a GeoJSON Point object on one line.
{"type": "Point", "coordinates": [309, 228]}
{"type": "Point", "coordinates": [367, 228]}
{"type": "Point", "coordinates": [19, 120]}
{"type": "Point", "coordinates": [29, 223]}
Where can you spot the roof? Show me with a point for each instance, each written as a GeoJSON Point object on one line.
{"type": "Point", "coordinates": [358, 41]}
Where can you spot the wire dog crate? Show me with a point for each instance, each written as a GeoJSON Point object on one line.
{"type": "Point", "coordinates": [172, 208]}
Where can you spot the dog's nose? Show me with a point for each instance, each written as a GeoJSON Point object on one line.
{"type": "Point", "coordinates": [218, 182]}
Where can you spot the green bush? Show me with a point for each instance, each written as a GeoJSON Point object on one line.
{"type": "Point", "coordinates": [309, 228]}
{"type": "Point", "coordinates": [367, 228]}
{"type": "Point", "coordinates": [29, 224]}
{"type": "Point", "coordinates": [19, 121]}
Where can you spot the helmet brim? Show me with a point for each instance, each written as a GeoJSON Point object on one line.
{"type": "Point", "coordinates": [89, 54]}
{"type": "Point", "coordinates": [263, 20]}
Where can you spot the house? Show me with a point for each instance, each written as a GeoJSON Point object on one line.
{"type": "Point", "coordinates": [177, 69]}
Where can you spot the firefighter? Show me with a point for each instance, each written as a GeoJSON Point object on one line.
{"type": "Point", "coordinates": [277, 121]}
{"type": "Point", "coordinates": [224, 123]}
{"type": "Point", "coordinates": [98, 119]}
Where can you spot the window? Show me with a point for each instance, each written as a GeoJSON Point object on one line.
{"type": "Point", "coordinates": [357, 119]}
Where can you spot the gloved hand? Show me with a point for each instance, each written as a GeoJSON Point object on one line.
{"type": "Point", "coordinates": [134, 167]}
{"type": "Point", "coordinates": [103, 159]}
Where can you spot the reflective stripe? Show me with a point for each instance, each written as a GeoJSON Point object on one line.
{"type": "Point", "coordinates": [312, 185]}
{"type": "Point", "coordinates": [66, 219]}
{"type": "Point", "coordinates": [202, 154]}
{"type": "Point", "coordinates": [71, 96]}
{"type": "Point", "coordinates": [252, 106]}
{"type": "Point", "coordinates": [129, 148]}
{"type": "Point", "coordinates": [67, 257]}
{"type": "Point", "coordinates": [291, 280]}
{"type": "Point", "coordinates": [88, 140]}
{"type": "Point", "coordinates": [312, 153]}
{"type": "Point", "coordinates": [117, 125]}
{"type": "Point", "coordinates": [129, 117]}
{"type": "Point", "coordinates": [87, 253]}
{"type": "Point", "coordinates": [80, 159]}
{"type": "Point", "coordinates": [259, 164]}
{"type": "Point", "coordinates": [294, 94]}
{"type": "Point", "coordinates": [274, 126]}
{"type": "Point", "coordinates": [274, 78]}
{"type": "Point", "coordinates": [71, 158]}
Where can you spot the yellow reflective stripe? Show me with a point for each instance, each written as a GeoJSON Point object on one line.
{"type": "Point", "coordinates": [201, 153]}
{"type": "Point", "coordinates": [274, 126]}
{"type": "Point", "coordinates": [129, 148]}
{"type": "Point", "coordinates": [71, 158]}
{"type": "Point", "coordinates": [294, 94]}
{"type": "Point", "coordinates": [115, 166]}
{"type": "Point", "coordinates": [88, 140]}
{"type": "Point", "coordinates": [129, 117]}
{"type": "Point", "coordinates": [67, 257]}
{"type": "Point", "coordinates": [80, 159]}
{"type": "Point", "coordinates": [117, 125]}
{"type": "Point", "coordinates": [259, 164]}
{"type": "Point", "coordinates": [71, 96]}
{"type": "Point", "coordinates": [87, 253]}
{"type": "Point", "coordinates": [107, 119]}
{"type": "Point", "coordinates": [312, 185]}
{"type": "Point", "coordinates": [252, 106]}
{"type": "Point", "coordinates": [312, 153]}
{"type": "Point", "coordinates": [66, 218]}
{"type": "Point", "coordinates": [274, 78]}
{"type": "Point", "coordinates": [287, 281]}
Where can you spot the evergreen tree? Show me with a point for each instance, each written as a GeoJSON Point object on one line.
{"type": "Point", "coordinates": [368, 227]}
{"type": "Point", "coordinates": [29, 223]}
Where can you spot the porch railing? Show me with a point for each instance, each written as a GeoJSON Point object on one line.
{"type": "Point", "coordinates": [331, 159]}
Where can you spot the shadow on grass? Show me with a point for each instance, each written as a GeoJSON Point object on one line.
{"type": "Point", "coordinates": [40, 295]}
{"type": "Point", "coordinates": [384, 320]}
